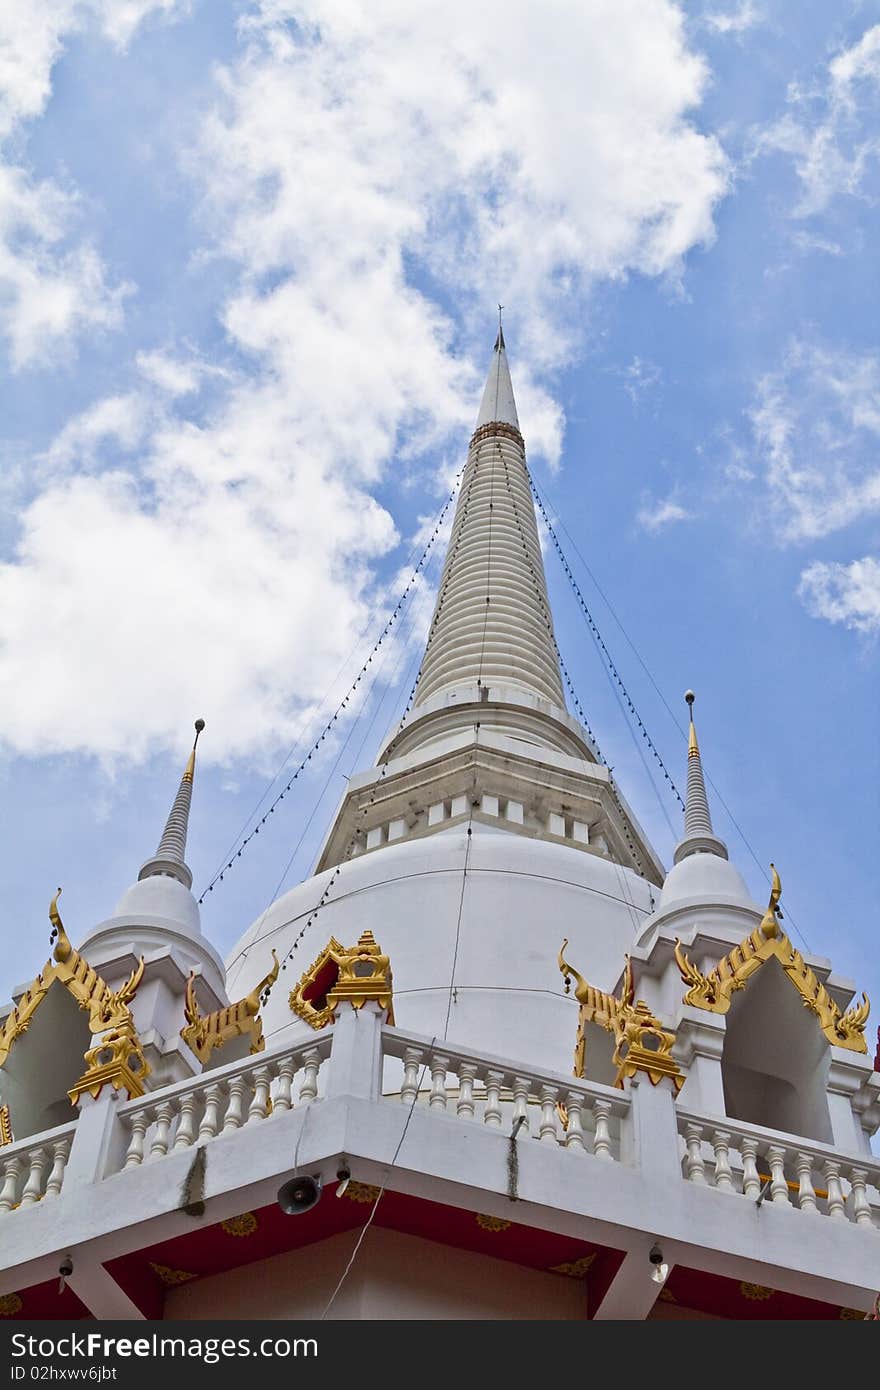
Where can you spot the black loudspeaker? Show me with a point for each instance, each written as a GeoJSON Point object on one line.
{"type": "Point", "coordinates": [298, 1195]}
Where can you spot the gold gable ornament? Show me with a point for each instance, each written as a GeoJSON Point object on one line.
{"type": "Point", "coordinates": [116, 1057]}
{"type": "Point", "coordinates": [203, 1033]}
{"type": "Point", "coordinates": [641, 1043]}
{"type": "Point", "coordinates": [354, 975]}
{"type": "Point", "coordinates": [713, 991]}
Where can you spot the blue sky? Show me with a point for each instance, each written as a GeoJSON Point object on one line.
{"type": "Point", "coordinates": [249, 261]}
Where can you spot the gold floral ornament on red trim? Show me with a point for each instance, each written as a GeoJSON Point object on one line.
{"type": "Point", "coordinates": [575, 1269]}
{"type": "Point", "coordinates": [204, 1033]}
{"type": "Point", "coordinates": [243, 1225]}
{"type": "Point", "coordinates": [171, 1277]}
{"type": "Point", "coordinates": [10, 1304]}
{"type": "Point", "coordinates": [361, 1192]}
{"type": "Point", "coordinates": [641, 1043]}
{"type": "Point", "coordinates": [354, 975]}
{"type": "Point", "coordinates": [758, 1293]}
{"type": "Point", "coordinates": [713, 991]}
{"type": "Point", "coordinates": [493, 1223]}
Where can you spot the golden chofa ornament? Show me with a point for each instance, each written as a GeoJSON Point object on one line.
{"type": "Point", "coordinates": [116, 1057]}
{"type": "Point", "coordinates": [205, 1032]}
{"type": "Point", "coordinates": [354, 975]}
{"type": "Point", "coordinates": [713, 991]}
{"type": "Point", "coordinates": [641, 1043]}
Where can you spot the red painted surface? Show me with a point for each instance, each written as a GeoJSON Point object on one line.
{"type": "Point", "coordinates": [720, 1297]}
{"type": "Point", "coordinates": [211, 1250]}
{"type": "Point", "coordinates": [43, 1302]}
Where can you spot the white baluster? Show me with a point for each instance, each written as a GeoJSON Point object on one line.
{"type": "Point", "coordinates": [309, 1087]}
{"type": "Point", "coordinates": [33, 1189]}
{"type": "Point", "coordinates": [547, 1132]}
{"type": "Point", "coordinates": [164, 1116]}
{"type": "Point", "coordinates": [412, 1059]}
{"type": "Point", "coordinates": [602, 1132]}
{"type": "Point", "coordinates": [186, 1125]}
{"type": "Point", "coordinates": [492, 1112]}
{"type": "Point", "coordinates": [803, 1166]}
{"type": "Point", "coordinates": [858, 1178]}
{"type": "Point", "coordinates": [235, 1107]}
{"type": "Point", "coordinates": [211, 1118]}
{"type": "Point", "coordinates": [751, 1177]}
{"type": "Point", "coordinates": [721, 1147]}
{"type": "Point", "coordinates": [439, 1068]}
{"type": "Point", "coordinates": [259, 1106]}
{"type": "Point", "coordinates": [139, 1126]}
{"type": "Point", "coordinates": [574, 1135]}
{"type": "Point", "coordinates": [11, 1176]}
{"type": "Point", "coordinates": [696, 1170]}
{"type": "Point", "coordinates": [466, 1074]}
{"type": "Point", "coordinates": [520, 1104]}
{"type": "Point", "coordinates": [60, 1152]}
{"type": "Point", "coordinates": [778, 1186]}
{"type": "Point", "coordinates": [283, 1093]}
{"type": "Point", "coordinates": [836, 1207]}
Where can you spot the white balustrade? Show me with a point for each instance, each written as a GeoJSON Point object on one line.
{"type": "Point", "coordinates": [222, 1101]}
{"type": "Point", "coordinates": [573, 1114]}
{"type": "Point", "coordinates": [791, 1173]}
{"type": "Point", "coordinates": [34, 1168]}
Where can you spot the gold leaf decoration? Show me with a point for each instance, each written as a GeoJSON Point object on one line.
{"type": "Point", "coordinates": [243, 1225]}
{"type": "Point", "coordinates": [169, 1276]}
{"type": "Point", "coordinates": [493, 1223]}
{"type": "Point", "coordinates": [713, 991]}
{"type": "Point", "coordinates": [758, 1293]}
{"type": "Point", "coordinates": [361, 1192]}
{"type": "Point", "coordinates": [575, 1269]}
{"type": "Point", "coordinates": [854, 1313]}
{"type": "Point", "coordinates": [10, 1304]}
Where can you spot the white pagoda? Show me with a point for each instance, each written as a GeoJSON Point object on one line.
{"type": "Point", "coordinates": [511, 1068]}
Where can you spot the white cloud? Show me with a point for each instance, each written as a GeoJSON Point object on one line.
{"type": "Point", "coordinates": [53, 286]}
{"type": "Point", "coordinates": [816, 423]}
{"type": "Point", "coordinates": [50, 289]}
{"type": "Point", "coordinates": [830, 131]}
{"type": "Point", "coordinates": [655, 514]}
{"type": "Point", "coordinates": [356, 158]}
{"type": "Point", "coordinates": [844, 593]}
{"type": "Point", "coordinates": [640, 378]}
{"type": "Point", "coordinates": [175, 376]}
{"type": "Point", "coordinates": [744, 16]}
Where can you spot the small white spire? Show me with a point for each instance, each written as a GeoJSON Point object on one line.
{"type": "Point", "coordinates": [699, 836]}
{"type": "Point", "coordinates": [169, 857]}
{"type": "Point", "coordinates": [498, 404]}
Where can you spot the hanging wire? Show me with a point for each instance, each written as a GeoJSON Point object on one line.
{"type": "Point", "coordinates": [672, 715]}
{"type": "Point", "coordinates": [367, 805]}
{"type": "Point", "coordinates": [233, 857]}
{"type": "Point", "coordinates": [548, 623]}
{"type": "Point", "coordinates": [600, 642]}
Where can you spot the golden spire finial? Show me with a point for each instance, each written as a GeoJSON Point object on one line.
{"type": "Point", "coordinates": [693, 747]}
{"type": "Point", "coordinates": [770, 920]}
{"type": "Point", "coordinates": [190, 770]}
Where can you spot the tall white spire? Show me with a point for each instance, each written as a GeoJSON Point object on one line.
{"type": "Point", "coordinates": [498, 405]}
{"type": "Point", "coordinates": [170, 856]}
{"type": "Point", "coordinates": [492, 625]}
{"type": "Point", "coordinates": [699, 836]}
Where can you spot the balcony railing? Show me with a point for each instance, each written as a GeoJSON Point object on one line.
{"type": "Point", "coordinates": [221, 1101]}
{"type": "Point", "coordinates": [34, 1168]}
{"type": "Point", "coordinates": [359, 1057]}
{"type": "Point", "coordinates": [767, 1164]}
{"type": "Point", "coordinates": [580, 1115]}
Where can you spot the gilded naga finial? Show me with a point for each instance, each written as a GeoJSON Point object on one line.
{"type": "Point", "coordinates": [771, 918]}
